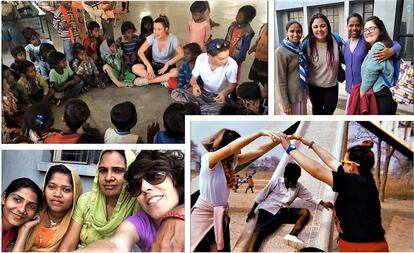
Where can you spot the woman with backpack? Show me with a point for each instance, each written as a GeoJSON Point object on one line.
{"type": "Point", "coordinates": [377, 74]}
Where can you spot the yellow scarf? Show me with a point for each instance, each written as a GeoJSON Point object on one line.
{"type": "Point", "coordinates": [61, 229]}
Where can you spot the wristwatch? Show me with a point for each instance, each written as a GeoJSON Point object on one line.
{"type": "Point", "coordinates": [290, 148]}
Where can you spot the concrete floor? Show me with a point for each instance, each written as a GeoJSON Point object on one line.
{"type": "Point", "coordinates": [151, 101]}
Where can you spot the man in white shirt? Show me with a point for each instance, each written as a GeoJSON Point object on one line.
{"type": "Point", "coordinates": [275, 200]}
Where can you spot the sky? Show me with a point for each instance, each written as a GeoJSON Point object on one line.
{"type": "Point", "coordinates": [201, 130]}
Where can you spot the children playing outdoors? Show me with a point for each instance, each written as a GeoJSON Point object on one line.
{"type": "Point", "coordinates": [292, 70]}
{"type": "Point", "coordinates": [85, 68]}
{"type": "Point", "coordinates": [250, 184]}
{"type": "Point", "coordinates": [75, 115]}
{"type": "Point", "coordinates": [199, 30]}
{"type": "Point", "coordinates": [124, 118]}
{"type": "Point", "coordinates": [63, 80]}
{"type": "Point", "coordinates": [240, 34]}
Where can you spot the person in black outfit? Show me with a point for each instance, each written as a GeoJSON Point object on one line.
{"type": "Point", "coordinates": [357, 207]}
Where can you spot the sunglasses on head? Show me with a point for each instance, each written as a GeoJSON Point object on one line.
{"type": "Point", "coordinates": [343, 162]}
{"type": "Point", "coordinates": [152, 177]}
{"type": "Point", "coordinates": [217, 45]}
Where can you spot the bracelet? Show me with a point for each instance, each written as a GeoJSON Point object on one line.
{"type": "Point", "coordinates": [310, 144]}
{"type": "Point", "coordinates": [172, 214]}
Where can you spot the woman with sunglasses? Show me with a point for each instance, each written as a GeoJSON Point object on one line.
{"type": "Point", "coordinates": [156, 180]}
{"type": "Point", "coordinates": [20, 203]}
{"type": "Point", "coordinates": [357, 206]}
{"type": "Point", "coordinates": [214, 77]}
{"type": "Point", "coordinates": [376, 74]}
{"type": "Point", "coordinates": [209, 216]}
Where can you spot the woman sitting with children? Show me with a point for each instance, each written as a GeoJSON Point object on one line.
{"type": "Point", "coordinates": [166, 52]}
{"type": "Point", "coordinates": [218, 74]}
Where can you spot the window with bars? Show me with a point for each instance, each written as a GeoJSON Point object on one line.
{"type": "Point", "coordinates": [76, 156]}
{"type": "Point", "coordinates": [368, 10]}
{"type": "Point", "coordinates": [296, 15]}
{"type": "Point", "coordinates": [332, 13]}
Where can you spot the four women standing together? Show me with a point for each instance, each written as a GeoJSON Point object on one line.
{"type": "Point", "coordinates": [312, 67]}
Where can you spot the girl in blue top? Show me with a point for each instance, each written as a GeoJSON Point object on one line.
{"type": "Point", "coordinates": [376, 35]}
{"type": "Point", "coordinates": [356, 50]}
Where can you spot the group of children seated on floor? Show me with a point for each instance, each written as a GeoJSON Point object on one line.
{"type": "Point", "coordinates": [49, 78]}
{"type": "Point", "coordinates": [35, 125]}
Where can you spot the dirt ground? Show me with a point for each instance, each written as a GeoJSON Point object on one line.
{"type": "Point", "coordinates": [397, 217]}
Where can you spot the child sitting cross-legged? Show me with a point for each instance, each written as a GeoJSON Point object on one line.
{"type": "Point", "coordinates": [75, 115]}
{"type": "Point", "coordinates": [86, 69]}
{"type": "Point", "coordinates": [115, 65]}
{"type": "Point", "coordinates": [64, 81]}
{"type": "Point", "coordinates": [124, 118]}
{"type": "Point", "coordinates": [34, 88]}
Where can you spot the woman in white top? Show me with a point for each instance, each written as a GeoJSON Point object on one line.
{"type": "Point", "coordinates": [217, 73]}
{"type": "Point", "coordinates": [209, 218]}
{"type": "Point", "coordinates": [166, 52]}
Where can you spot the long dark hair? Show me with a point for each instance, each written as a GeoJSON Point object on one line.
{"type": "Point", "coordinates": [24, 182]}
{"type": "Point", "coordinates": [146, 20]}
{"type": "Point", "coordinates": [312, 43]}
{"type": "Point", "coordinates": [383, 36]}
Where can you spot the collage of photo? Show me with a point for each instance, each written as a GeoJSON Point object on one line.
{"type": "Point", "coordinates": [199, 126]}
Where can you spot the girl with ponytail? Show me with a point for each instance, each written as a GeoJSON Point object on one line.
{"type": "Point", "coordinates": [357, 207]}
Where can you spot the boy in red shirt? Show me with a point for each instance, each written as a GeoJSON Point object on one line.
{"type": "Point", "coordinates": [75, 115]}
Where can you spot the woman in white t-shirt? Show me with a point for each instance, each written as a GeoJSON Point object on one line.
{"type": "Point", "coordinates": [213, 79]}
{"type": "Point", "coordinates": [166, 52]}
{"type": "Point", "coordinates": [209, 216]}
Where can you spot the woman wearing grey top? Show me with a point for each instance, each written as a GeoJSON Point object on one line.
{"type": "Point", "coordinates": [166, 52]}
{"type": "Point", "coordinates": [322, 50]}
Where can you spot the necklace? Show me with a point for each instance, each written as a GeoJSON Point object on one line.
{"type": "Point", "coordinates": [52, 223]}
